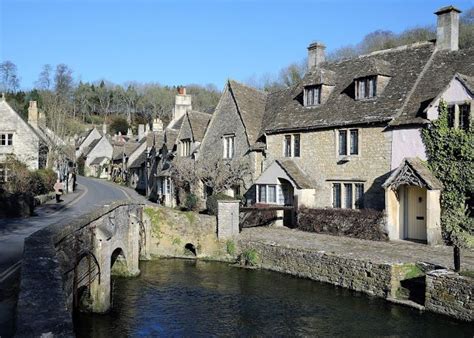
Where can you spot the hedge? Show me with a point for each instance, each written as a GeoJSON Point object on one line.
{"type": "Point", "coordinates": [211, 202]}
{"type": "Point", "coordinates": [363, 224]}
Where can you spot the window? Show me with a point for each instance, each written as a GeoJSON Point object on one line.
{"type": "Point", "coordinates": [292, 145]}
{"type": "Point", "coordinates": [312, 96]}
{"type": "Point", "coordinates": [366, 87]}
{"type": "Point", "coordinates": [186, 147]}
{"type": "Point", "coordinates": [351, 147]}
{"type": "Point", "coordinates": [267, 193]}
{"type": "Point", "coordinates": [6, 139]}
{"type": "Point", "coordinates": [351, 197]}
{"type": "Point", "coordinates": [336, 195]}
{"type": "Point", "coordinates": [229, 146]}
{"type": "Point", "coordinates": [464, 120]}
{"type": "Point", "coordinates": [459, 116]}
{"type": "Point", "coordinates": [342, 142]}
{"type": "Point", "coordinates": [3, 173]}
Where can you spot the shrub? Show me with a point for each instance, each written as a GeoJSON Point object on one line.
{"type": "Point", "coordinates": [363, 224]}
{"type": "Point", "coordinates": [119, 124]}
{"type": "Point", "coordinates": [250, 257]}
{"type": "Point", "coordinates": [81, 163]}
{"type": "Point", "coordinates": [191, 202]}
{"type": "Point", "coordinates": [211, 202]}
{"type": "Point", "coordinates": [230, 247]}
{"type": "Point", "coordinates": [42, 181]}
{"type": "Point", "coordinates": [256, 217]}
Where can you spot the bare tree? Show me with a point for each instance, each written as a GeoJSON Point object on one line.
{"type": "Point", "coordinates": [63, 82]}
{"type": "Point", "coordinates": [44, 78]}
{"type": "Point", "coordinates": [221, 175]}
{"type": "Point", "coordinates": [9, 81]}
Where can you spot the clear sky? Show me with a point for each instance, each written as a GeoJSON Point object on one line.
{"type": "Point", "coordinates": [190, 41]}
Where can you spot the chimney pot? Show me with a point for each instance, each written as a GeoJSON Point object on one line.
{"type": "Point", "coordinates": [447, 30]}
{"type": "Point", "coordinates": [316, 55]}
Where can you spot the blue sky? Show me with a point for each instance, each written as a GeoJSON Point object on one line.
{"type": "Point", "coordinates": [186, 41]}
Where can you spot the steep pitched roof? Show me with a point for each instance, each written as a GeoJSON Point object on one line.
{"type": "Point", "coordinates": [443, 68]}
{"type": "Point", "coordinates": [301, 180]}
{"type": "Point", "coordinates": [251, 106]}
{"type": "Point", "coordinates": [98, 160]}
{"type": "Point", "coordinates": [198, 122]}
{"type": "Point", "coordinates": [139, 161]}
{"type": "Point", "coordinates": [119, 150]}
{"type": "Point", "coordinates": [285, 110]}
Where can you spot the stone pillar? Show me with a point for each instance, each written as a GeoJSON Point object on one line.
{"type": "Point", "coordinates": [227, 219]}
{"type": "Point", "coordinates": [433, 217]}
{"type": "Point", "coordinates": [392, 214]}
{"type": "Point", "coordinates": [280, 214]}
{"type": "Point", "coordinates": [133, 254]}
{"type": "Point", "coordinates": [100, 290]}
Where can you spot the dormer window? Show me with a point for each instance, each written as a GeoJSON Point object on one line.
{"type": "Point", "coordinates": [366, 87]}
{"type": "Point", "coordinates": [312, 96]}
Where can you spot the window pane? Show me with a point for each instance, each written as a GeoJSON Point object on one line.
{"type": "Point", "coordinates": [464, 116]}
{"type": "Point", "coordinates": [336, 195]}
{"type": "Point", "coordinates": [288, 145]}
{"type": "Point", "coordinates": [451, 116]}
{"type": "Point", "coordinates": [10, 139]}
{"type": "Point", "coordinates": [262, 193]}
{"type": "Point", "coordinates": [296, 147]}
{"type": "Point", "coordinates": [359, 195]}
{"type": "Point", "coordinates": [271, 194]}
{"type": "Point", "coordinates": [354, 142]}
{"type": "Point", "coordinates": [2, 139]}
{"type": "Point", "coordinates": [317, 95]}
{"type": "Point", "coordinates": [342, 142]}
{"type": "Point", "coordinates": [374, 86]}
{"type": "Point", "coordinates": [348, 195]}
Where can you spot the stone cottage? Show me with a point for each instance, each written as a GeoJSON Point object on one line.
{"type": "Point", "coordinates": [333, 140]}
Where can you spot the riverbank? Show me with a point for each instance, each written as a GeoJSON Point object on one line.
{"type": "Point", "coordinates": [405, 273]}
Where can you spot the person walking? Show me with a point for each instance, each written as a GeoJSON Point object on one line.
{"type": "Point", "coordinates": [58, 189]}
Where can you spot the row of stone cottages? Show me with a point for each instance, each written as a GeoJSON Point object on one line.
{"type": "Point", "coordinates": [32, 143]}
{"type": "Point", "coordinates": [347, 136]}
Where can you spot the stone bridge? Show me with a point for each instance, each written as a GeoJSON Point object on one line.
{"type": "Point", "coordinates": [69, 266]}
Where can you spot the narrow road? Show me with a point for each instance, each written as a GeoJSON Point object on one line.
{"type": "Point", "coordinates": [91, 194]}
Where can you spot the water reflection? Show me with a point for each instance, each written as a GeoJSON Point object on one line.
{"type": "Point", "coordinates": [196, 298]}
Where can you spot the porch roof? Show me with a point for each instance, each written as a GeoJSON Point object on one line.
{"type": "Point", "coordinates": [413, 171]}
{"type": "Point", "coordinates": [286, 169]}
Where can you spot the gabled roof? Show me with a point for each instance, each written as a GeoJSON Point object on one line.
{"type": "Point", "coordinates": [5, 106]}
{"type": "Point", "coordinates": [301, 179]}
{"type": "Point", "coordinates": [320, 76]}
{"type": "Point", "coordinates": [442, 69]}
{"type": "Point", "coordinates": [413, 171]}
{"type": "Point", "coordinates": [198, 122]}
{"type": "Point", "coordinates": [125, 149]}
{"type": "Point", "coordinates": [285, 110]}
{"type": "Point", "coordinates": [139, 161]}
{"type": "Point", "coordinates": [251, 106]}
{"type": "Point", "coordinates": [92, 146]}
{"type": "Point", "coordinates": [98, 160]}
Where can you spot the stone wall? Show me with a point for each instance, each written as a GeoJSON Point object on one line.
{"type": "Point", "coordinates": [450, 294]}
{"type": "Point", "coordinates": [320, 160]}
{"type": "Point", "coordinates": [358, 275]}
{"type": "Point", "coordinates": [173, 230]}
{"type": "Point", "coordinates": [51, 259]}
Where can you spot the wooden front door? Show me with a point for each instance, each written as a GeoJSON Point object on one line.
{"type": "Point", "coordinates": [416, 213]}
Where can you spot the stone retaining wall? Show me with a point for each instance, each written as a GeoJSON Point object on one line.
{"type": "Point", "coordinates": [358, 275]}
{"type": "Point", "coordinates": [450, 294]}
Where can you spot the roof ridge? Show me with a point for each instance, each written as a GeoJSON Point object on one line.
{"type": "Point", "coordinates": [248, 86]}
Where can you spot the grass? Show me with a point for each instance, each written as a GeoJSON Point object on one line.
{"type": "Point", "coordinates": [176, 241]}
{"type": "Point", "coordinates": [156, 216]}
{"type": "Point", "coordinates": [251, 257]}
{"type": "Point", "coordinates": [190, 216]}
{"type": "Point", "coordinates": [230, 247]}
{"type": "Point", "coordinates": [467, 273]}
{"type": "Point", "coordinates": [413, 271]}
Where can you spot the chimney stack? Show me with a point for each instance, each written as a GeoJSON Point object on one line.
{"type": "Point", "coordinates": [157, 124]}
{"type": "Point", "coordinates": [316, 55]}
{"type": "Point", "coordinates": [104, 128]}
{"type": "Point", "coordinates": [447, 30]}
{"type": "Point", "coordinates": [182, 104]}
{"type": "Point", "coordinates": [33, 114]}
{"type": "Point", "coordinates": [141, 131]}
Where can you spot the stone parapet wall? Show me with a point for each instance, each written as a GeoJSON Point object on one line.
{"type": "Point", "coordinates": [450, 294]}
{"type": "Point", "coordinates": [49, 256]}
{"type": "Point", "coordinates": [358, 275]}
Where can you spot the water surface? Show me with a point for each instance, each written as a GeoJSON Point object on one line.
{"type": "Point", "coordinates": [194, 298]}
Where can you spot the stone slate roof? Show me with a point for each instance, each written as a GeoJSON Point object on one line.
{"type": "Point", "coordinates": [198, 122]}
{"type": "Point", "coordinates": [251, 106]}
{"type": "Point", "coordinates": [98, 160]}
{"type": "Point", "coordinates": [443, 68]}
{"type": "Point", "coordinates": [420, 169]}
{"type": "Point", "coordinates": [139, 161]}
{"type": "Point", "coordinates": [170, 138]}
{"type": "Point", "coordinates": [155, 138]}
{"type": "Point", "coordinates": [320, 76]}
{"type": "Point", "coordinates": [285, 110]}
{"type": "Point", "coordinates": [92, 146]}
{"type": "Point", "coordinates": [126, 149]}
{"type": "Point", "coordinates": [301, 180]}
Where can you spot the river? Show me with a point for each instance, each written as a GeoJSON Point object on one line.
{"type": "Point", "coordinates": [174, 297]}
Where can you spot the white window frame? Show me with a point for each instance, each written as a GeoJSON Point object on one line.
{"type": "Point", "coordinates": [228, 142]}
{"type": "Point", "coordinates": [4, 173]}
{"type": "Point", "coordinates": [185, 147]}
{"type": "Point", "coordinates": [292, 145]}
{"type": "Point", "coordinates": [7, 138]}
{"type": "Point", "coordinates": [354, 204]}
{"type": "Point", "coordinates": [456, 111]}
{"type": "Point", "coordinates": [348, 142]}
{"type": "Point", "coordinates": [267, 188]}
{"type": "Point", "coordinates": [309, 99]}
